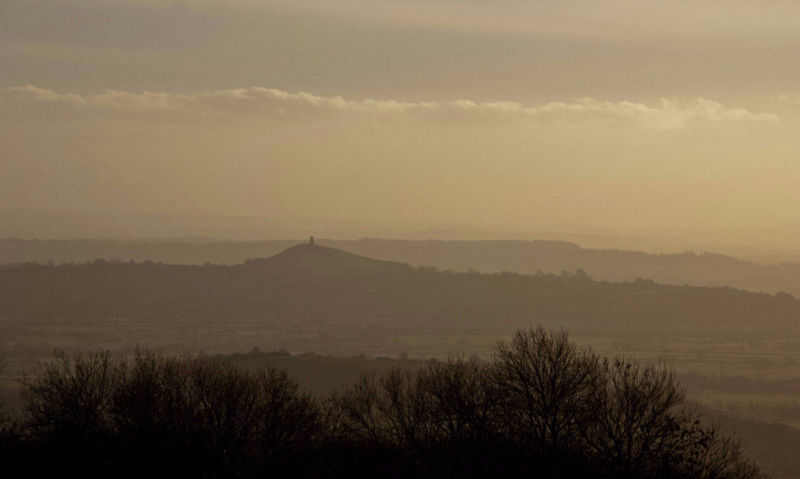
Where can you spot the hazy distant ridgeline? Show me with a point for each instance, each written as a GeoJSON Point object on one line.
{"type": "Point", "coordinates": [336, 298]}
{"type": "Point", "coordinates": [175, 252]}
{"type": "Point", "coordinates": [526, 257]}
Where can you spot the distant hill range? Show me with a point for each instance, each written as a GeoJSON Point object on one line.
{"type": "Point", "coordinates": [323, 299]}
{"type": "Point", "coordinates": [526, 257]}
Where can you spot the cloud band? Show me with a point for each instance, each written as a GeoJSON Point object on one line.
{"type": "Point", "coordinates": [275, 105]}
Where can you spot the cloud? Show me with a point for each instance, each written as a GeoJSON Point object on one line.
{"type": "Point", "coordinates": [787, 99]}
{"type": "Point", "coordinates": [267, 104]}
{"type": "Point", "coordinates": [42, 95]}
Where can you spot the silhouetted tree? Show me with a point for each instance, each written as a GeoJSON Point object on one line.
{"type": "Point", "coordinates": [3, 415]}
{"type": "Point", "coordinates": [71, 395]}
{"type": "Point", "coordinates": [288, 421]}
{"type": "Point", "coordinates": [461, 401]}
{"type": "Point", "coordinates": [636, 429]}
{"type": "Point", "coordinates": [545, 384]}
{"type": "Point", "coordinates": [387, 410]}
{"type": "Point", "coordinates": [542, 407]}
{"type": "Point", "coordinates": [464, 432]}
{"type": "Point", "coordinates": [5, 418]}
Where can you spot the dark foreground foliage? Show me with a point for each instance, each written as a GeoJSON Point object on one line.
{"type": "Point", "coordinates": [543, 407]}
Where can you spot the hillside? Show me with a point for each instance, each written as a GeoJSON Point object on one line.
{"type": "Point", "coordinates": [311, 259]}
{"type": "Point", "coordinates": [323, 299]}
{"type": "Point", "coordinates": [525, 257]}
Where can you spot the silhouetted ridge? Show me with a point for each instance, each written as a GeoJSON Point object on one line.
{"type": "Point", "coordinates": [322, 259]}
{"type": "Point", "coordinates": [307, 295]}
{"type": "Point", "coordinates": [524, 257]}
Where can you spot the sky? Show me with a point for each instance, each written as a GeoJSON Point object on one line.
{"type": "Point", "coordinates": [615, 115]}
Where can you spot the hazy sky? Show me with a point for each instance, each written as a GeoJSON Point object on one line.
{"type": "Point", "coordinates": [607, 114]}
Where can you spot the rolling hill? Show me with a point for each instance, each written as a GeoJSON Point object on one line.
{"type": "Point", "coordinates": [525, 257]}
{"type": "Point", "coordinates": [324, 299]}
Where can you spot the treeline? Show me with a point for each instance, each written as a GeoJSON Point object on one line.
{"type": "Point", "coordinates": [542, 407]}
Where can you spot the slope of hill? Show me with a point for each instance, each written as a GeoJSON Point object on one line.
{"type": "Point", "coordinates": [323, 299]}
{"type": "Point", "coordinates": [526, 257]}
{"type": "Point", "coordinates": [309, 258]}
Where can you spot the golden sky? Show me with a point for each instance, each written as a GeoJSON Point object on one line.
{"type": "Point", "coordinates": [604, 114]}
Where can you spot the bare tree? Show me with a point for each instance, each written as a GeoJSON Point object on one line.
{"type": "Point", "coordinates": [706, 452]}
{"type": "Point", "coordinates": [543, 406]}
{"type": "Point", "coordinates": [288, 421]}
{"type": "Point", "coordinates": [636, 425]}
{"type": "Point", "coordinates": [387, 410]}
{"type": "Point", "coordinates": [461, 401]}
{"type": "Point", "coordinates": [4, 417]}
{"type": "Point", "coordinates": [545, 383]}
{"type": "Point", "coordinates": [72, 394]}
{"type": "Point", "coordinates": [153, 398]}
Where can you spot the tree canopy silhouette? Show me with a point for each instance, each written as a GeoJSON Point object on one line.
{"type": "Point", "coordinates": [541, 406]}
